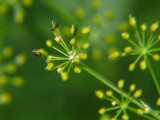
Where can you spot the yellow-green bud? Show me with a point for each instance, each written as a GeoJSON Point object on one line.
{"type": "Point", "coordinates": [3, 80]}
{"type": "Point", "coordinates": [132, 87]}
{"type": "Point", "coordinates": [57, 39]}
{"type": "Point", "coordinates": [158, 101]}
{"type": "Point", "coordinates": [131, 67]}
{"type": "Point", "coordinates": [8, 51]}
{"type": "Point", "coordinates": [72, 41]}
{"type": "Point", "coordinates": [97, 20]}
{"type": "Point", "coordinates": [132, 21]}
{"type": "Point", "coordinates": [49, 59]}
{"type": "Point", "coordinates": [143, 27]}
{"type": "Point", "coordinates": [120, 83]}
{"type": "Point", "coordinates": [101, 110]}
{"type": "Point", "coordinates": [156, 57]}
{"type": "Point", "coordinates": [154, 26]}
{"type": "Point", "coordinates": [99, 94]}
{"type": "Point", "coordinates": [11, 68]}
{"type": "Point", "coordinates": [77, 70]}
{"type": "Point", "coordinates": [80, 13]}
{"type": "Point", "coordinates": [50, 66]}
{"type": "Point", "coordinates": [73, 29]}
{"type": "Point", "coordinates": [110, 14]}
{"type": "Point", "coordinates": [127, 49]}
{"type": "Point", "coordinates": [113, 118]}
{"type": "Point", "coordinates": [110, 39]}
{"type": "Point", "coordinates": [137, 93]}
{"type": "Point", "coordinates": [83, 56]}
{"type": "Point", "coordinates": [77, 60]}
{"type": "Point", "coordinates": [27, 3]}
{"type": "Point", "coordinates": [85, 30]}
{"type": "Point", "coordinates": [5, 98]}
{"type": "Point", "coordinates": [21, 59]}
{"type": "Point", "coordinates": [158, 37]}
{"type": "Point", "coordinates": [125, 117]}
{"type": "Point", "coordinates": [18, 81]}
{"type": "Point", "coordinates": [114, 55]}
{"type": "Point", "coordinates": [19, 16]}
{"type": "Point", "coordinates": [59, 70]}
{"type": "Point", "coordinates": [64, 76]}
{"type": "Point", "coordinates": [85, 46]}
{"type": "Point", "coordinates": [109, 93]}
{"type": "Point", "coordinates": [3, 9]}
{"type": "Point", "coordinates": [139, 111]}
{"type": "Point", "coordinates": [49, 43]}
{"type": "Point", "coordinates": [95, 4]}
{"type": "Point", "coordinates": [143, 65]}
{"type": "Point", "coordinates": [125, 35]}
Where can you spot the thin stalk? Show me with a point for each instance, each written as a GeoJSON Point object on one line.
{"type": "Point", "coordinates": [108, 83]}
{"type": "Point", "coordinates": [135, 110]}
{"type": "Point", "coordinates": [154, 43]}
{"type": "Point", "coordinates": [154, 50]}
{"type": "Point", "coordinates": [60, 51]}
{"type": "Point", "coordinates": [60, 65]}
{"type": "Point", "coordinates": [138, 38]}
{"type": "Point", "coordinates": [112, 108]}
{"type": "Point", "coordinates": [143, 38]}
{"type": "Point", "coordinates": [150, 40]}
{"type": "Point", "coordinates": [133, 43]}
{"type": "Point", "coordinates": [65, 46]}
{"type": "Point", "coordinates": [153, 76]}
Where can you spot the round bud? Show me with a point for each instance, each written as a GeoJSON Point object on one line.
{"type": "Point", "coordinates": [49, 43]}
{"type": "Point", "coordinates": [143, 65]}
{"type": "Point", "coordinates": [154, 26]}
{"type": "Point", "coordinates": [137, 93]}
{"type": "Point", "coordinates": [131, 67]}
{"type": "Point", "coordinates": [125, 35]}
{"type": "Point", "coordinates": [99, 94]}
{"type": "Point", "coordinates": [64, 76]}
{"type": "Point", "coordinates": [50, 66]}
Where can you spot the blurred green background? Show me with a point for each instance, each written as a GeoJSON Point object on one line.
{"type": "Point", "coordinates": [44, 95]}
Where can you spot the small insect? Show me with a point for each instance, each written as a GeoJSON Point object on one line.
{"type": "Point", "coordinates": [73, 30]}
{"type": "Point", "coordinates": [37, 53]}
{"type": "Point", "coordinates": [54, 26]}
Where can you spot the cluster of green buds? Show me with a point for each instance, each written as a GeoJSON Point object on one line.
{"type": "Point", "coordinates": [121, 104]}
{"type": "Point", "coordinates": [100, 22]}
{"type": "Point", "coordinates": [17, 6]}
{"type": "Point", "coordinates": [141, 46]}
{"type": "Point", "coordinates": [66, 55]}
{"type": "Point", "coordinates": [7, 70]}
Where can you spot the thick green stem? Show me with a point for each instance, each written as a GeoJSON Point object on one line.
{"type": "Point", "coordinates": [108, 83]}
{"type": "Point", "coordinates": [154, 77]}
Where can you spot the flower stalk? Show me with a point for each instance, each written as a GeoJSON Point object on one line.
{"type": "Point", "coordinates": [108, 83]}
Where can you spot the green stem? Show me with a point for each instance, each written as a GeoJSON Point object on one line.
{"type": "Point", "coordinates": [139, 38]}
{"type": "Point", "coordinates": [153, 76]}
{"type": "Point", "coordinates": [59, 10]}
{"type": "Point", "coordinates": [60, 51]}
{"type": "Point", "coordinates": [135, 110]}
{"type": "Point", "coordinates": [108, 83]}
{"type": "Point", "coordinates": [133, 43]}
